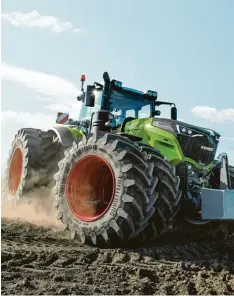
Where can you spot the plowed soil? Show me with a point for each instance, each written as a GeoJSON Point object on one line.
{"type": "Point", "coordinates": [37, 260]}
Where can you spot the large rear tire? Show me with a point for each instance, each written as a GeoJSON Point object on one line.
{"type": "Point", "coordinates": [31, 163]}
{"type": "Point", "coordinates": [103, 190]}
{"type": "Point", "coordinates": [166, 193]}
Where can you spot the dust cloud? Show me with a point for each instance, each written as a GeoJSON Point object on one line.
{"type": "Point", "coordinates": [37, 208]}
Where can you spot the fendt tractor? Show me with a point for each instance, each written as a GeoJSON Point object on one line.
{"type": "Point", "coordinates": [121, 172]}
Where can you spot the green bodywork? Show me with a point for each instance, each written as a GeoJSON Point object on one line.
{"type": "Point", "coordinates": [76, 133]}
{"type": "Point", "coordinates": [155, 137]}
{"type": "Point", "coordinates": [160, 139]}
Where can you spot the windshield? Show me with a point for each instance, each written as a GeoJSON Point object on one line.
{"type": "Point", "coordinates": [122, 106]}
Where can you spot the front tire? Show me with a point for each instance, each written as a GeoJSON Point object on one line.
{"type": "Point", "coordinates": [103, 190]}
{"type": "Point", "coordinates": [166, 193]}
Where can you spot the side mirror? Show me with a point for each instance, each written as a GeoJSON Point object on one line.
{"type": "Point", "coordinates": [90, 96]}
{"type": "Point", "coordinates": [81, 97]}
{"type": "Point", "coordinates": [174, 113]}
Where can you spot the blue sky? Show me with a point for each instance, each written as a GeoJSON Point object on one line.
{"type": "Point", "coordinates": [182, 49]}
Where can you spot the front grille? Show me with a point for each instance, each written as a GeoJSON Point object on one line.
{"type": "Point", "coordinates": [195, 142]}
{"type": "Point", "coordinates": [197, 147]}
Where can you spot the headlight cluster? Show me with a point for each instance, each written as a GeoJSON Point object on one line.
{"type": "Point", "coordinates": [187, 131]}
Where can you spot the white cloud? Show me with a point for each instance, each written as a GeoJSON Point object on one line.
{"type": "Point", "coordinates": [34, 19]}
{"type": "Point", "coordinates": [214, 115]}
{"type": "Point", "coordinates": [60, 107]}
{"type": "Point", "coordinates": [26, 119]}
{"type": "Point", "coordinates": [56, 91]}
{"type": "Point", "coordinates": [45, 84]}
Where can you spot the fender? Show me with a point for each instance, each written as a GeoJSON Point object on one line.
{"type": "Point", "coordinates": [67, 135]}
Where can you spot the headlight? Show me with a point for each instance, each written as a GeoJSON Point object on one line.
{"type": "Point", "coordinates": [184, 130]}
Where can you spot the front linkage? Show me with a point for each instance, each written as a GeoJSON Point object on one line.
{"type": "Point", "coordinates": [218, 203]}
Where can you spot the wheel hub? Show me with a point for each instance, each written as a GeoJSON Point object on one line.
{"type": "Point", "coordinates": [90, 188]}
{"type": "Point", "coordinates": [15, 171]}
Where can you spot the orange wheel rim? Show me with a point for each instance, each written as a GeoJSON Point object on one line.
{"type": "Point", "coordinates": [90, 188]}
{"type": "Point", "coordinates": [15, 171]}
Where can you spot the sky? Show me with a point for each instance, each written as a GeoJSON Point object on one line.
{"type": "Point", "coordinates": [183, 49]}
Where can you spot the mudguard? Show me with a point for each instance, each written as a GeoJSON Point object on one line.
{"type": "Point", "coordinates": [67, 135]}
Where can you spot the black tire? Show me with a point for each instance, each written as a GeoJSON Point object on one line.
{"type": "Point", "coordinates": [167, 195]}
{"type": "Point", "coordinates": [31, 163]}
{"type": "Point", "coordinates": [131, 206]}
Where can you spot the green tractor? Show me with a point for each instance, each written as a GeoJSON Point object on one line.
{"type": "Point", "coordinates": [121, 172]}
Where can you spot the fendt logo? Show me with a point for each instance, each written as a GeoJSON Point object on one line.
{"type": "Point", "coordinates": [207, 148]}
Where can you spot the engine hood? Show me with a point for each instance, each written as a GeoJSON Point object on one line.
{"type": "Point", "coordinates": [197, 143]}
{"type": "Point", "coordinates": [177, 125]}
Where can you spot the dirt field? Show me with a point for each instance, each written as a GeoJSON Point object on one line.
{"type": "Point", "coordinates": [37, 260]}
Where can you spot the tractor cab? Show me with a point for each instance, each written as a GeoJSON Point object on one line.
{"type": "Point", "coordinates": [127, 104]}
{"type": "Point", "coordinates": [123, 104]}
